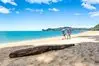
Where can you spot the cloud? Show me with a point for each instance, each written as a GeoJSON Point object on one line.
{"type": "Point", "coordinates": [17, 12]}
{"type": "Point", "coordinates": [39, 10]}
{"type": "Point", "coordinates": [31, 1]}
{"type": "Point", "coordinates": [53, 9]}
{"type": "Point", "coordinates": [94, 14]}
{"type": "Point", "coordinates": [35, 10]}
{"type": "Point", "coordinates": [4, 10]}
{"type": "Point", "coordinates": [89, 4]}
{"type": "Point", "coordinates": [43, 1]}
{"type": "Point", "coordinates": [9, 1]}
{"type": "Point", "coordinates": [29, 9]}
{"type": "Point", "coordinates": [77, 14]}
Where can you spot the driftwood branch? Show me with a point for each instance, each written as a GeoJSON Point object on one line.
{"type": "Point", "coordinates": [37, 50]}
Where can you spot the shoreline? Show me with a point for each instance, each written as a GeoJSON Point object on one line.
{"type": "Point", "coordinates": [36, 38]}
{"type": "Point", "coordinates": [85, 53]}
{"type": "Point", "coordinates": [76, 38]}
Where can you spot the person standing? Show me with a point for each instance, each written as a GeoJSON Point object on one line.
{"type": "Point", "coordinates": [64, 33]}
{"type": "Point", "coordinates": [69, 33]}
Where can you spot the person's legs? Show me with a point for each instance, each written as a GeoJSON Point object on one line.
{"type": "Point", "coordinates": [67, 36]}
{"type": "Point", "coordinates": [64, 36]}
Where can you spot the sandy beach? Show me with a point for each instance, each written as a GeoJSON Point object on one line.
{"type": "Point", "coordinates": [77, 38]}
{"type": "Point", "coordinates": [49, 32]}
{"type": "Point", "coordinates": [84, 53]}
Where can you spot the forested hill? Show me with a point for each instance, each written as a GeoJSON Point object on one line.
{"type": "Point", "coordinates": [96, 27]}
{"type": "Point", "coordinates": [58, 29]}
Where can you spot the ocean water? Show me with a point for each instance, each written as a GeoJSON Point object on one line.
{"type": "Point", "coordinates": [14, 36]}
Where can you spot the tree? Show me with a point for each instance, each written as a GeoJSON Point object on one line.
{"type": "Point", "coordinates": [96, 27]}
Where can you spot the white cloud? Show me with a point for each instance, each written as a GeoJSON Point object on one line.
{"type": "Point", "coordinates": [39, 10]}
{"type": "Point", "coordinates": [29, 9]}
{"type": "Point", "coordinates": [35, 10]}
{"type": "Point", "coordinates": [89, 4]}
{"type": "Point", "coordinates": [17, 12]}
{"type": "Point", "coordinates": [53, 9]}
{"type": "Point", "coordinates": [4, 10]}
{"type": "Point", "coordinates": [43, 1]}
{"type": "Point", "coordinates": [94, 14]}
{"type": "Point", "coordinates": [31, 1]}
{"type": "Point", "coordinates": [9, 1]}
{"type": "Point", "coordinates": [77, 14]}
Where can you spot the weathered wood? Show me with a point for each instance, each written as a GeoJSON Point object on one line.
{"type": "Point", "coordinates": [37, 50]}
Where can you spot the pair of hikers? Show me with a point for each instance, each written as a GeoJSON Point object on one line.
{"type": "Point", "coordinates": [66, 33]}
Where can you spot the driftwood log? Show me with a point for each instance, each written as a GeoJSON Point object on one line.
{"type": "Point", "coordinates": [37, 50]}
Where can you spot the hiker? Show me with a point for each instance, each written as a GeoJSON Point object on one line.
{"type": "Point", "coordinates": [69, 33]}
{"type": "Point", "coordinates": [64, 33]}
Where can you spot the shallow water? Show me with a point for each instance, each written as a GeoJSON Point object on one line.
{"type": "Point", "coordinates": [12, 36]}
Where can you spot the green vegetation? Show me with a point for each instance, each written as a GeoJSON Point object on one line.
{"type": "Point", "coordinates": [53, 29]}
{"type": "Point", "coordinates": [96, 28]}
{"type": "Point", "coordinates": [58, 29]}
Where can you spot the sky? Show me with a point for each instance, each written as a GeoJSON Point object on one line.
{"type": "Point", "coordinates": [23, 15]}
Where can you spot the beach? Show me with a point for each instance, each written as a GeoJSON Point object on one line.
{"type": "Point", "coordinates": [84, 53]}
{"type": "Point", "coordinates": [49, 32]}
{"type": "Point", "coordinates": [76, 38]}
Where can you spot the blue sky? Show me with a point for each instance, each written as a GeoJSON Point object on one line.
{"type": "Point", "coordinates": [39, 14]}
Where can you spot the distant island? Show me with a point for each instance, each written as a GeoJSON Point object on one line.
{"type": "Point", "coordinates": [96, 28]}
{"type": "Point", "coordinates": [60, 28]}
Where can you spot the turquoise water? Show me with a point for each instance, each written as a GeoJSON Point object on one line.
{"type": "Point", "coordinates": [13, 36]}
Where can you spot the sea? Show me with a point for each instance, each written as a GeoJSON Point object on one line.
{"type": "Point", "coordinates": [15, 36]}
